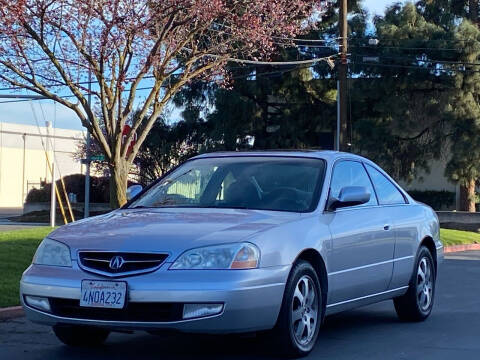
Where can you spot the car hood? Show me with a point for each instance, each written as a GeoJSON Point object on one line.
{"type": "Point", "coordinates": [167, 230]}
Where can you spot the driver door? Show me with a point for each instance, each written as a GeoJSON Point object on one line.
{"type": "Point", "coordinates": [361, 258]}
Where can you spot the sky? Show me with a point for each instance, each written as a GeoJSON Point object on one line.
{"type": "Point", "coordinates": [21, 112]}
{"type": "Point", "coordinates": [377, 7]}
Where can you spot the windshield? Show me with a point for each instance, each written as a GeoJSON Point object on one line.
{"type": "Point", "coordinates": [263, 183]}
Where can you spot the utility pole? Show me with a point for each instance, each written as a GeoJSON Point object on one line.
{"type": "Point", "coordinates": [86, 210]}
{"type": "Point", "coordinates": [53, 205]}
{"type": "Point", "coordinates": [342, 78]}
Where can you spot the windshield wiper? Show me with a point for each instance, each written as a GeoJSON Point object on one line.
{"type": "Point", "coordinates": [229, 207]}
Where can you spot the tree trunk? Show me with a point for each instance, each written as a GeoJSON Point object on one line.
{"type": "Point", "coordinates": [467, 196]}
{"type": "Point", "coordinates": [118, 183]}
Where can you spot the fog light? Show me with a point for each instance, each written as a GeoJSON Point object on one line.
{"type": "Point", "coordinates": [191, 311]}
{"type": "Point", "coordinates": [40, 303]}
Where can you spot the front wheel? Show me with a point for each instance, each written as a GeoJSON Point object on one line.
{"type": "Point", "coordinates": [82, 336]}
{"type": "Point", "coordinates": [301, 313]}
{"type": "Point", "coordinates": [417, 303]}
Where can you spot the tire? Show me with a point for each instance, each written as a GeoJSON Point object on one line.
{"type": "Point", "coordinates": [80, 336]}
{"type": "Point", "coordinates": [417, 303]}
{"type": "Point", "coordinates": [292, 335]}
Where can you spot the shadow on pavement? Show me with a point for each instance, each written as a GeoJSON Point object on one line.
{"type": "Point", "coordinates": [187, 346]}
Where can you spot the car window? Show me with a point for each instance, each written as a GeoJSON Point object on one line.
{"type": "Point", "coordinates": [264, 183]}
{"type": "Point", "coordinates": [387, 193]}
{"type": "Point", "coordinates": [351, 173]}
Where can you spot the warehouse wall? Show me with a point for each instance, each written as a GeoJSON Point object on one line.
{"type": "Point", "coordinates": [23, 163]}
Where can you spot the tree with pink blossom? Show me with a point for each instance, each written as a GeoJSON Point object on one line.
{"type": "Point", "coordinates": [50, 47]}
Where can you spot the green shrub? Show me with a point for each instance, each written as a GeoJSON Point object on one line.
{"type": "Point", "coordinates": [436, 199]}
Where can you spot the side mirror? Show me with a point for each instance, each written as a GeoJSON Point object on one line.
{"type": "Point", "coordinates": [133, 191]}
{"type": "Point", "coordinates": [350, 196]}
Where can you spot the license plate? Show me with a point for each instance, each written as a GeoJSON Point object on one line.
{"type": "Point", "coordinates": [103, 294]}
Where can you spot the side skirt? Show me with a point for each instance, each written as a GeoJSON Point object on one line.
{"type": "Point", "coordinates": [364, 300]}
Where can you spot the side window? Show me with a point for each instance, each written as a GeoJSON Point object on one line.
{"type": "Point", "coordinates": [387, 193]}
{"type": "Point", "coordinates": [351, 173]}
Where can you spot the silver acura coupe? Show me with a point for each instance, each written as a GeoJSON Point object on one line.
{"type": "Point", "coordinates": [240, 242]}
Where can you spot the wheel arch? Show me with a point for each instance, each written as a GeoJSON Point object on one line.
{"type": "Point", "coordinates": [316, 260]}
{"type": "Point", "coordinates": [428, 242]}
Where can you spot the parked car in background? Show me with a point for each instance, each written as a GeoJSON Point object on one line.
{"type": "Point", "coordinates": [240, 242]}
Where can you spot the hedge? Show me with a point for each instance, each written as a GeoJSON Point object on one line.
{"type": "Point", "coordinates": [438, 200]}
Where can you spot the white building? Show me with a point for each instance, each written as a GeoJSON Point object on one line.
{"type": "Point", "coordinates": [23, 160]}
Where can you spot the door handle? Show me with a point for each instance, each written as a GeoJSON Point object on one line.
{"type": "Point", "coordinates": [386, 227]}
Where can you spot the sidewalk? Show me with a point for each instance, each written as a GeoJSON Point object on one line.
{"type": "Point", "coordinates": [7, 225]}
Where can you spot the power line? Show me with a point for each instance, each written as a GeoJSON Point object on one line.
{"type": "Point", "coordinates": [238, 77]}
{"type": "Point", "coordinates": [416, 67]}
{"type": "Point", "coordinates": [404, 48]}
{"type": "Point", "coordinates": [419, 60]}
{"type": "Point", "coordinates": [234, 60]}
{"type": "Point", "coordinates": [285, 38]}
{"type": "Point", "coordinates": [381, 39]}
{"type": "Point", "coordinates": [277, 63]}
{"type": "Point", "coordinates": [279, 72]}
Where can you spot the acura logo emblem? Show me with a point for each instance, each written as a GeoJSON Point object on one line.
{"type": "Point", "coordinates": [116, 262]}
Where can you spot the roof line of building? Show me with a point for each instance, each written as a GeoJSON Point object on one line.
{"type": "Point", "coordinates": [40, 135]}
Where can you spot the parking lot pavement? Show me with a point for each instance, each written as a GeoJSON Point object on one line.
{"type": "Point", "coordinates": [372, 332]}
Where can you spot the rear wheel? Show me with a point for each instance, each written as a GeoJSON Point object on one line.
{"type": "Point", "coordinates": [301, 314]}
{"type": "Point", "coordinates": [417, 303]}
{"type": "Point", "coordinates": [80, 335]}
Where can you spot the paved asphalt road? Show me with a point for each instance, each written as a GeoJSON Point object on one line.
{"type": "Point", "coordinates": [373, 332]}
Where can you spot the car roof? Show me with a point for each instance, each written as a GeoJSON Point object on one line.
{"type": "Point", "coordinates": [328, 155]}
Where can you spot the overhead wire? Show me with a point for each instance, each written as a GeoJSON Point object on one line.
{"type": "Point", "coordinates": [50, 167]}
{"type": "Point", "coordinates": [405, 48]}
{"type": "Point", "coordinates": [55, 160]}
{"type": "Point", "coordinates": [427, 60]}
{"type": "Point", "coordinates": [413, 67]}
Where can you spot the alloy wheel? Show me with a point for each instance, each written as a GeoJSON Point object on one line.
{"type": "Point", "coordinates": [424, 284]}
{"type": "Point", "coordinates": [304, 312]}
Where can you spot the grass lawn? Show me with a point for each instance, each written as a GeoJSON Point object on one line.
{"type": "Point", "coordinates": [16, 252]}
{"type": "Point", "coordinates": [17, 249]}
{"type": "Point", "coordinates": [458, 237]}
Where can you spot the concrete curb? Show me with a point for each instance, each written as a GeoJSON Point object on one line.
{"type": "Point", "coordinates": [457, 248]}
{"type": "Point", "coordinates": [11, 313]}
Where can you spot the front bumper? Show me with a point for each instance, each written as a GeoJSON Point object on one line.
{"type": "Point", "coordinates": [251, 298]}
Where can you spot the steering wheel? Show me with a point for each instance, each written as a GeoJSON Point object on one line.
{"type": "Point", "coordinates": [284, 192]}
{"type": "Point", "coordinates": [285, 195]}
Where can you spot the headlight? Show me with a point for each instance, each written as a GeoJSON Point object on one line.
{"type": "Point", "coordinates": [54, 253]}
{"type": "Point", "coordinates": [230, 256]}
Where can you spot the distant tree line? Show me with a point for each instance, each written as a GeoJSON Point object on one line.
{"type": "Point", "coordinates": [413, 97]}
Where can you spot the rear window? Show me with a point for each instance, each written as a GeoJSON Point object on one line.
{"type": "Point", "coordinates": [387, 193]}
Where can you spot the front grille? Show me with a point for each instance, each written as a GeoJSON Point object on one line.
{"type": "Point", "coordinates": [120, 263]}
{"type": "Point", "coordinates": [139, 312]}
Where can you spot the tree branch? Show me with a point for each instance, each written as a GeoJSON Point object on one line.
{"type": "Point", "coordinates": [90, 115]}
